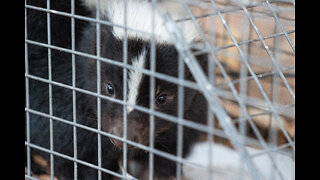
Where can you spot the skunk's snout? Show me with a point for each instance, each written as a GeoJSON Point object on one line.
{"type": "Point", "coordinates": [136, 132]}
{"type": "Point", "coordinates": [133, 136]}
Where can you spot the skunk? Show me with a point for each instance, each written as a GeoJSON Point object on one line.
{"type": "Point", "coordinates": [139, 17]}
{"type": "Point", "coordinates": [62, 98]}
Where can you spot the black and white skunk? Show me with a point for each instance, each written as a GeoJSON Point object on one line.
{"type": "Point", "coordinates": [139, 17]}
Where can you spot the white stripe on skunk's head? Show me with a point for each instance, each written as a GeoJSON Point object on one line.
{"type": "Point", "coordinates": [135, 78]}
{"type": "Point", "coordinates": [139, 17]}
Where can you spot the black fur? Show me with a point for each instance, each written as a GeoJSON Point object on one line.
{"type": "Point", "coordinates": [87, 146]}
{"type": "Point", "coordinates": [86, 74]}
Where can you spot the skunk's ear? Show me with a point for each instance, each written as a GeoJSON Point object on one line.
{"type": "Point", "coordinates": [203, 62]}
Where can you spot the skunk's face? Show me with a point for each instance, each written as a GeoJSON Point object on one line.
{"type": "Point", "coordinates": [138, 88]}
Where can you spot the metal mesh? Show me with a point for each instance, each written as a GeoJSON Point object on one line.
{"type": "Point", "coordinates": [250, 86]}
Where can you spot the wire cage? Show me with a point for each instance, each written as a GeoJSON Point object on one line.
{"type": "Point", "coordinates": [249, 87]}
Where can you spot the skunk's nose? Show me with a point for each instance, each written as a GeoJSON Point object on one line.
{"type": "Point", "coordinates": [132, 135]}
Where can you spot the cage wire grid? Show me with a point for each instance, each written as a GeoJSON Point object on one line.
{"type": "Point", "coordinates": [249, 87]}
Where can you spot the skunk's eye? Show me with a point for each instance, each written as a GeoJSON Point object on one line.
{"type": "Point", "coordinates": [110, 89]}
{"type": "Point", "coordinates": [161, 99]}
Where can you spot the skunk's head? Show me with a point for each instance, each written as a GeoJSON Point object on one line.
{"type": "Point", "coordinates": [137, 83]}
